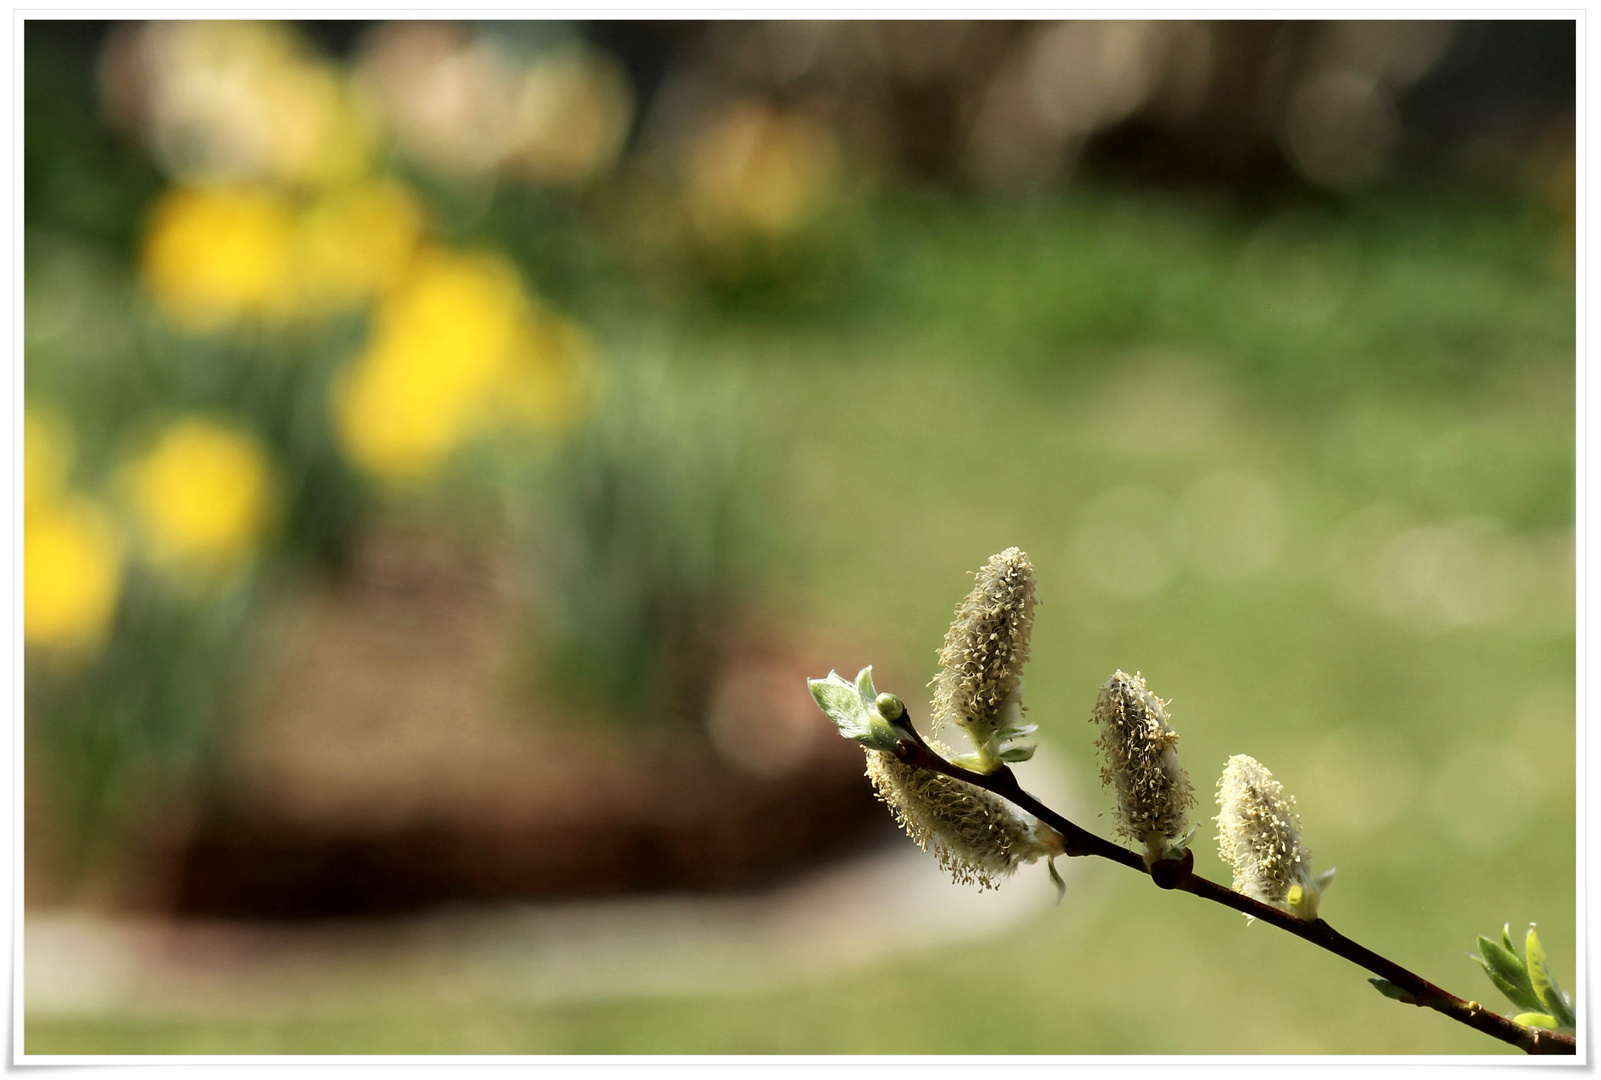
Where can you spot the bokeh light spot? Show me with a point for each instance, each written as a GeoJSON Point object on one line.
{"type": "Point", "coordinates": [1481, 796]}
{"type": "Point", "coordinates": [1358, 780]}
{"type": "Point", "coordinates": [1236, 525]}
{"type": "Point", "coordinates": [1129, 541]}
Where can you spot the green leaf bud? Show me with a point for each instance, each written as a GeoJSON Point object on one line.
{"type": "Point", "coordinates": [1391, 990]}
{"type": "Point", "coordinates": [855, 709]}
{"type": "Point", "coordinates": [1526, 980]}
{"type": "Point", "coordinates": [1506, 970]}
{"type": "Point", "coordinates": [1537, 1020]}
{"type": "Point", "coordinates": [1056, 878]}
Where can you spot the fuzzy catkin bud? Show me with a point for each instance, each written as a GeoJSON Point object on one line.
{"type": "Point", "coordinates": [979, 686]}
{"type": "Point", "coordinates": [1140, 753]}
{"type": "Point", "coordinates": [1259, 835]}
{"type": "Point", "coordinates": [976, 835]}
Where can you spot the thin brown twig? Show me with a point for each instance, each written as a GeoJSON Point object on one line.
{"type": "Point", "coordinates": [1176, 874]}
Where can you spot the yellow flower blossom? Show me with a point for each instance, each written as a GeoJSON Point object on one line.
{"type": "Point", "coordinates": [356, 242]}
{"type": "Point", "coordinates": [213, 256]}
{"type": "Point", "coordinates": [71, 573]}
{"type": "Point", "coordinates": [389, 424]}
{"type": "Point", "coordinates": [202, 496]}
{"type": "Point", "coordinates": [455, 347]}
{"type": "Point", "coordinates": [460, 311]}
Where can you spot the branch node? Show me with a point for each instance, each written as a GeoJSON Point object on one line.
{"type": "Point", "coordinates": [913, 754]}
{"type": "Point", "coordinates": [1171, 873]}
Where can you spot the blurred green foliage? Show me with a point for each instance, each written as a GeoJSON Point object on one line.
{"type": "Point", "coordinates": [1312, 303]}
{"type": "Point", "coordinates": [77, 176]}
{"type": "Point", "coordinates": [647, 546]}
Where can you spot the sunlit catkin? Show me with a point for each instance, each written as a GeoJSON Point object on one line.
{"type": "Point", "coordinates": [1259, 835]}
{"type": "Point", "coordinates": [1139, 751]}
{"type": "Point", "coordinates": [978, 837]}
{"type": "Point", "coordinates": [979, 686]}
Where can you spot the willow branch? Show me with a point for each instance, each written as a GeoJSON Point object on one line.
{"type": "Point", "coordinates": [1179, 875]}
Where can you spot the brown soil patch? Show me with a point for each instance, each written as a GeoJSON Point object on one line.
{"type": "Point", "coordinates": [392, 768]}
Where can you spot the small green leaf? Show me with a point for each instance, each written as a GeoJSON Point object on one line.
{"type": "Point", "coordinates": [864, 684]}
{"type": "Point", "coordinates": [842, 704]}
{"type": "Point", "coordinates": [1508, 964]}
{"type": "Point", "coordinates": [1513, 993]}
{"type": "Point", "coordinates": [1506, 937]}
{"type": "Point", "coordinates": [1536, 1020]}
{"type": "Point", "coordinates": [1017, 732]}
{"type": "Point", "coordinates": [853, 707]}
{"type": "Point", "coordinates": [1544, 983]}
{"type": "Point", "coordinates": [1539, 971]}
{"type": "Point", "coordinates": [1017, 753]}
{"type": "Point", "coordinates": [1505, 970]}
{"type": "Point", "coordinates": [1390, 990]}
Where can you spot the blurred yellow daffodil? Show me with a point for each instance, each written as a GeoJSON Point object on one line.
{"type": "Point", "coordinates": [202, 496]}
{"type": "Point", "coordinates": [389, 422]}
{"type": "Point", "coordinates": [354, 243]}
{"type": "Point", "coordinates": [456, 346]}
{"type": "Point", "coordinates": [215, 255]}
{"type": "Point", "coordinates": [71, 573]}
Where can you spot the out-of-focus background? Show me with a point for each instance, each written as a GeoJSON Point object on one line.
{"type": "Point", "coordinates": [449, 447]}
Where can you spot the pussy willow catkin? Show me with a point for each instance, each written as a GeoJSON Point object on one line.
{"type": "Point", "coordinates": [1259, 836]}
{"type": "Point", "coordinates": [977, 836]}
{"type": "Point", "coordinates": [1139, 751]}
{"type": "Point", "coordinates": [979, 686]}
